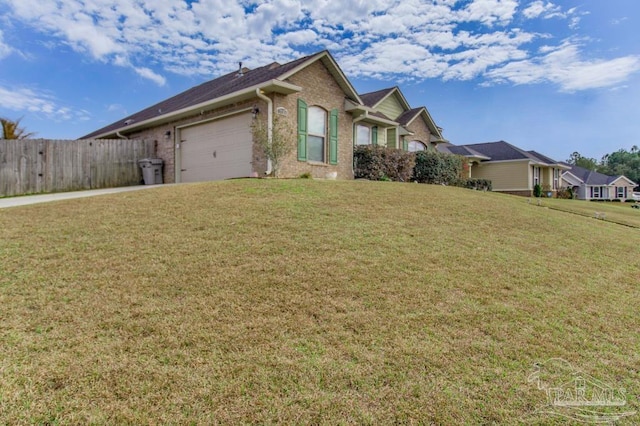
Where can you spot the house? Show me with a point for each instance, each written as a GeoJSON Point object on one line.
{"type": "Point", "coordinates": [509, 168]}
{"type": "Point", "coordinates": [591, 185]}
{"type": "Point", "coordinates": [205, 133]}
{"type": "Point", "coordinates": [386, 119]}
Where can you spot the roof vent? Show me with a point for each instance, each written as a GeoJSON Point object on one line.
{"type": "Point", "coordinates": [240, 70]}
{"type": "Point", "coordinates": [129, 121]}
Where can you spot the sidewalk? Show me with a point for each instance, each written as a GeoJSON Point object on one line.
{"type": "Point", "coordinates": [25, 200]}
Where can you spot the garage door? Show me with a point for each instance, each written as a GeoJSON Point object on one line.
{"type": "Point", "coordinates": [220, 149]}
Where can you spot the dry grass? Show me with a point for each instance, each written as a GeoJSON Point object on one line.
{"type": "Point", "coordinates": [300, 301]}
{"type": "Point", "coordinates": [620, 213]}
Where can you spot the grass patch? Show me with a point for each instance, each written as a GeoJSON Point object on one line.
{"type": "Point", "coordinates": [620, 213]}
{"type": "Point", "coordinates": [303, 301]}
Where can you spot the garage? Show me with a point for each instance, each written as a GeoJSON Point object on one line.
{"type": "Point", "coordinates": [219, 149]}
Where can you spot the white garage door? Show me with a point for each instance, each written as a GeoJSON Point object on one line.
{"type": "Point", "coordinates": [220, 149]}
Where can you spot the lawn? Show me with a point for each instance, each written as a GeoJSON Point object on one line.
{"type": "Point", "coordinates": [620, 213]}
{"type": "Point", "coordinates": [308, 302]}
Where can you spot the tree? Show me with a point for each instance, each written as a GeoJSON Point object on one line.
{"type": "Point", "coordinates": [12, 130]}
{"type": "Point", "coordinates": [622, 162]}
{"type": "Point", "coordinates": [277, 145]}
{"type": "Point", "coordinates": [586, 163]}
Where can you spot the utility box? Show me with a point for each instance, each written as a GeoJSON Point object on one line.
{"type": "Point", "coordinates": [151, 170]}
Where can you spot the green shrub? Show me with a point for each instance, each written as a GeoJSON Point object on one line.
{"type": "Point", "coordinates": [375, 162]}
{"type": "Point", "coordinates": [537, 190]}
{"type": "Point", "coordinates": [306, 175]}
{"type": "Point", "coordinates": [438, 168]}
{"type": "Point", "coordinates": [478, 184]}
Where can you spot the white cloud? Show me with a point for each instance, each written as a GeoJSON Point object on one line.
{"type": "Point", "coordinates": [541, 8]}
{"type": "Point", "coordinates": [24, 99]}
{"type": "Point", "coordinates": [5, 49]}
{"type": "Point", "coordinates": [489, 12]}
{"type": "Point", "coordinates": [565, 67]}
{"type": "Point", "coordinates": [409, 39]}
{"type": "Point", "coordinates": [147, 73]}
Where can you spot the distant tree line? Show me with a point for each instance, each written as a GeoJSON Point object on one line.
{"type": "Point", "coordinates": [621, 162]}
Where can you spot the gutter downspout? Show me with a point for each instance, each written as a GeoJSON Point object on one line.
{"type": "Point", "coordinates": [121, 136]}
{"type": "Point", "coordinates": [269, 102]}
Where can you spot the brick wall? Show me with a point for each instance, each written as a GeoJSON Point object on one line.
{"type": "Point", "coordinates": [420, 130]}
{"type": "Point", "coordinates": [319, 89]}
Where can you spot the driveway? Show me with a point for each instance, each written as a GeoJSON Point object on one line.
{"type": "Point", "coordinates": [44, 198]}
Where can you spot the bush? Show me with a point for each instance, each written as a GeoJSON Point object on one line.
{"type": "Point", "coordinates": [478, 184]}
{"type": "Point", "coordinates": [438, 168]}
{"type": "Point", "coordinates": [375, 162]}
{"type": "Point", "coordinates": [537, 190]}
{"type": "Point", "coordinates": [565, 193]}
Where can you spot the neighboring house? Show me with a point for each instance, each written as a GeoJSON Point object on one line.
{"type": "Point", "coordinates": [509, 168]}
{"type": "Point", "coordinates": [591, 185]}
{"type": "Point", "coordinates": [205, 132]}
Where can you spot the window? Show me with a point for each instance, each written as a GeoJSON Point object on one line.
{"type": "Point", "coordinates": [415, 146]}
{"type": "Point", "coordinates": [314, 124]}
{"type": "Point", "coordinates": [536, 175]}
{"type": "Point", "coordinates": [366, 135]}
{"type": "Point", "coordinates": [621, 192]}
{"type": "Point", "coordinates": [317, 134]}
{"type": "Point", "coordinates": [595, 192]}
{"type": "Point", "coordinates": [363, 135]}
{"type": "Point", "coordinates": [556, 178]}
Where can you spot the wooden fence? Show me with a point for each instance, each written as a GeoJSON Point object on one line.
{"type": "Point", "coordinates": [30, 166]}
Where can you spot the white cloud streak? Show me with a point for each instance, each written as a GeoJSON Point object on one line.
{"type": "Point", "coordinates": [33, 101]}
{"type": "Point", "coordinates": [399, 40]}
{"type": "Point", "coordinates": [5, 49]}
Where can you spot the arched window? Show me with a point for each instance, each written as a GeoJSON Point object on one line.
{"type": "Point", "coordinates": [317, 134]}
{"type": "Point", "coordinates": [415, 146]}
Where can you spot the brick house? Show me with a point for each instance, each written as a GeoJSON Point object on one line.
{"type": "Point", "coordinates": [205, 132]}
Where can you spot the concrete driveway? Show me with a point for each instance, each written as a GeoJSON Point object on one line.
{"type": "Point", "coordinates": [44, 198]}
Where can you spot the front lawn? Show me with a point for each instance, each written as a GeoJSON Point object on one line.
{"type": "Point", "coordinates": [308, 302]}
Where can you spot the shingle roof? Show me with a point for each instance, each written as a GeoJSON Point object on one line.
{"type": "Point", "coordinates": [591, 177]}
{"type": "Point", "coordinates": [372, 98]}
{"type": "Point", "coordinates": [500, 151]}
{"type": "Point", "coordinates": [225, 85]}
{"type": "Point", "coordinates": [543, 158]}
{"type": "Point", "coordinates": [463, 150]}
{"type": "Point", "coordinates": [409, 115]}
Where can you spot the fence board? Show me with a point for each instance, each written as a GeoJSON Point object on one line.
{"type": "Point", "coordinates": [30, 166]}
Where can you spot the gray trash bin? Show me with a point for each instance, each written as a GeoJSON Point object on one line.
{"type": "Point", "coordinates": [151, 170]}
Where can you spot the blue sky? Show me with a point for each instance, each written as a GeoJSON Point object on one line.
{"type": "Point", "coordinates": [553, 76]}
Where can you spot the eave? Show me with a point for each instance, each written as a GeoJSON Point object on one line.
{"type": "Point", "coordinates": [272, 86]}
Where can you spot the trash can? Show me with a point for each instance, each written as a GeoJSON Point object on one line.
{"type": "Point", "coordinates": [151, 170]}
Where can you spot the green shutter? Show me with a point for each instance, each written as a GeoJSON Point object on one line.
{"type": "Point", "coordinates": [405, 144]}
{"type": "Point", "coordinates": [374, 135]}
{"type": "Point", "coordinates": [333, 137]}
{"type": "Point", "coordinates": [302, 130]}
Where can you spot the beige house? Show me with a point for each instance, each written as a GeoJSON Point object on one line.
{"type": "Point", "coordinates": [205, 132]}
{"type": "Point", "coordinates": [509, 168]}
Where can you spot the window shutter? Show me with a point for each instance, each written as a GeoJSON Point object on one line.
{"type": "Point", "coordinates": [374, 135]}
{"type": "Point", "coordinates": [333, 137]}
{"type": "Point", "coordinates": [405, 144]}
{"type": "Point", "coordinates": [302, 130]}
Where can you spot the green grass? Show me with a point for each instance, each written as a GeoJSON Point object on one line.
{"type": "Point", "coordinates": [307, 302]}
{"type": "Point", "coordinates": [620, 213]}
